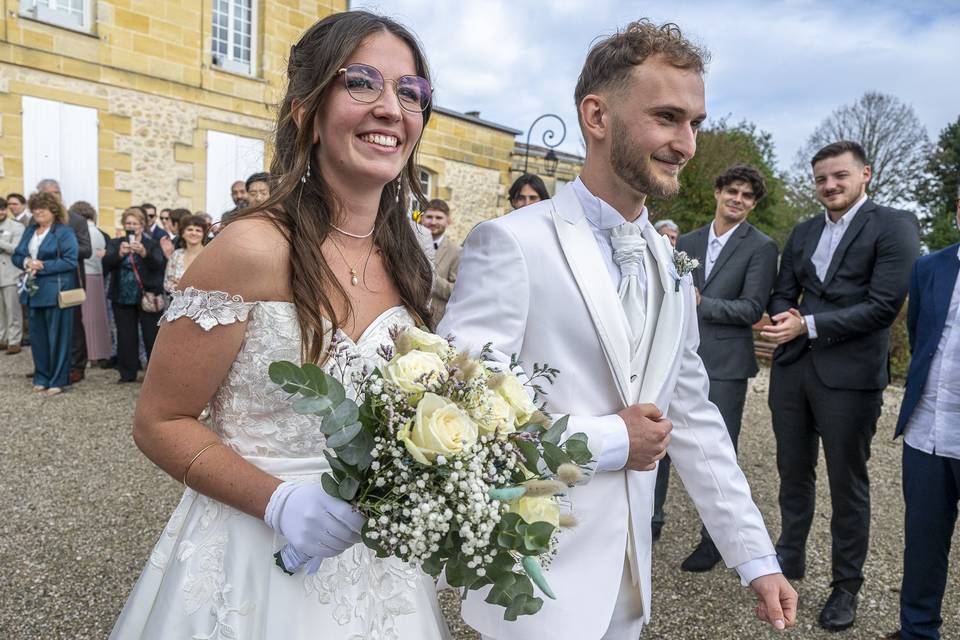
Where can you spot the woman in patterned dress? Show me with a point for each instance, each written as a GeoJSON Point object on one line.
{"type": "Point", "coordinates": [331, 253]}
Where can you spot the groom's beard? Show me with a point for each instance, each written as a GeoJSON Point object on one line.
{"type": "Point", "coordinates": [630, 165]}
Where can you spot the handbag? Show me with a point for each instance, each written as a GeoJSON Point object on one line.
{"type": "Point", "coordinates": [149, 302]}
{"type": "Point", "coordinates": [70, 297]}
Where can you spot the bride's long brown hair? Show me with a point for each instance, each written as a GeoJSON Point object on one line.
{"type": "Point", "coordinates": [304, 211]}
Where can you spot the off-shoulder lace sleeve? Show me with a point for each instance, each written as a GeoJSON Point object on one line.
{"type": "Point", "coordinates": [207, 308]}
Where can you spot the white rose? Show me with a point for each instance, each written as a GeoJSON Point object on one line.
{"type": "Point", "coordinates": [440, 428]}
{"type": "Point", "coordinates": [537, 509]}
{"type": "Point", "coordinates": [496, 413]}
{"type": "Point", "coordinates": [516, 396]}
{"type": "Point", "coordinates": [411, 370]}
{"type": "Point", "coordinates": [417, 339]}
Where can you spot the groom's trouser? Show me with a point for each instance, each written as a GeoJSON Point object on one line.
{"type": "Point", "coordinates": [730, 397]}
{"type": "Point", "coordinates": [627, 620]}
{"type": "Point", "coordinates": [806, 411]}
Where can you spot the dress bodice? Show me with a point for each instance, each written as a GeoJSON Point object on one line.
{"type": "Point", "coordinates": [248, 411]}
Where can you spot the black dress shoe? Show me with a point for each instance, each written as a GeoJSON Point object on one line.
{"type": "Point", "coordinates": [893, 635]}
{"type": "Point", "coordinates": [840, 612]}
{"type": "Point", "coordinates": [703, 558]}
{"type": "Point", "coordinates": [655, 529]}
{"type": "Point", "coordinates": [791, 570]}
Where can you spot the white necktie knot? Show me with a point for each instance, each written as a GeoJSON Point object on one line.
{"type": "Point", "coordinates": [628, 248]}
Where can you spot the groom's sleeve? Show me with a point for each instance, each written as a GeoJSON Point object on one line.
{"type": "Point", "coordinates": [489, 305]}
{"type": "Point", "coordinates": [701, 450]}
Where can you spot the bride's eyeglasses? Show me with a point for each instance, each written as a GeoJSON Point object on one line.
{"type": "Point", "coordinates": [365, 84]}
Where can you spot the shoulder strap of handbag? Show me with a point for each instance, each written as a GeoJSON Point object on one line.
{"type": "Point", "coordinates": [136, 273]}
{"type": "Point", "coordinates": [59, 257]}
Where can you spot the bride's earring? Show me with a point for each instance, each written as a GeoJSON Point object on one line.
{"type": "Point", "coordinates": [399, 187]}
{"type": "Point", "coordinates": [306, 176]}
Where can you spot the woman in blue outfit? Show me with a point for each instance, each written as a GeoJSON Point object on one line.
{"type": "Point", "coordinates": [48, 252]}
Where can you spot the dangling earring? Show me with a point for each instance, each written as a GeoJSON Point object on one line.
{"type": "Point", "coordinates": [306, 176]}
{"type": "Point", "coordinates": [399, 187]}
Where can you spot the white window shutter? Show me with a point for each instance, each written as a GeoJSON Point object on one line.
{"type": "Point", "coordinates": [229, 158]}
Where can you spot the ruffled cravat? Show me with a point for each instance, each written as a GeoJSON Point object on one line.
{"type": "Point", "coordinates": [628, 251]}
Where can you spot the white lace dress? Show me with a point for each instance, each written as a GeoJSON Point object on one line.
{"type": "Point", "coordinates": [212, 573]}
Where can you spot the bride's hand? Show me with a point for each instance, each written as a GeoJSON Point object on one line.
{"type": "Point", "coordinates": [314, 522]}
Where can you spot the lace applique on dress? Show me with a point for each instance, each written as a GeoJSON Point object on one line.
{"type": "Point", "coordinates": [207, 308]}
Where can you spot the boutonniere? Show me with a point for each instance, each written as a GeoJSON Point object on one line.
{"type": "Point", "coordinates": [683, 265]}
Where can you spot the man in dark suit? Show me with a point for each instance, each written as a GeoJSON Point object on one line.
{"type": "Point", "coordinates": [930, 423]}
{"type": "Point", "coordinates": [78, 350]}
{"type": "Point", "coordinates": [154, 227]}
{"type": "Point", "coordinates": [843, 278]}
{"type": "Point", "coordinates": [738, 265]}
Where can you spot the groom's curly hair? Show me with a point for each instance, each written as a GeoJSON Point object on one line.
{"type": "Point", "coordinates": [611, 59]}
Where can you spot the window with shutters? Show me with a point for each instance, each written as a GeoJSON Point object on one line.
{"type": "Point", "coordinates": [61, 141]}
{"type": "Point", "coordinates": [234, 35]}
{"type": "Point", "coordinates": [72, 14]}
{"type": "Point", "coordinates": [229, 158]}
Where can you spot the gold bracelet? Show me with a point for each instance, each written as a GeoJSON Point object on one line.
{"type": "Point", "coordinates": [194, 459]}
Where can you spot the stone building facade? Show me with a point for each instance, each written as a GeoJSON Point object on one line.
{"type": "Point", "coordinates": [130, 101]}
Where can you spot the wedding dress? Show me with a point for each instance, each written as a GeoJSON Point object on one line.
{"type": "Point", "coordinates": [212, 573]}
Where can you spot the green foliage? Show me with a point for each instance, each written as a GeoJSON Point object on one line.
{"type": "Point", "coordinates": [899, 348]}
{"type": "Point", "coordinates": [937, 191]}
{"type": "Point", "coordinates": [719, 147]}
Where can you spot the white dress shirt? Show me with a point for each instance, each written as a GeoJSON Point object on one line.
{"type": "Point", "coordinates": [715, 245]}
{"type": "Point", "coordinates": [934, 426]}
{"type": "Point", "coordinates": [33, 247]}
{"type": "Point", "coordinates": [829, 241]}
{"type": "Point", "coordinates": [603, 217]}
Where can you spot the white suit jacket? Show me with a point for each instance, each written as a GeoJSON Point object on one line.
{"type": "Point", "coordinates": [534, 284]}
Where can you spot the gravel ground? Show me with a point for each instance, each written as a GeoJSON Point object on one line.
{"type": "Point", "coordinates": [80, 509]}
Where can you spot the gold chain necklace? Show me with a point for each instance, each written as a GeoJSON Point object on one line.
{"type": "Point", "coordinates": [354, 278]}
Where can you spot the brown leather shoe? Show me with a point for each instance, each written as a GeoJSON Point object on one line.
{"type": "Point", "coordinates": [13, 349]}
{"type": "Point", "coordinates": [76, 376]}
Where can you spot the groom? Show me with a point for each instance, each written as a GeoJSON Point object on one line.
{"type": "Point", "coordinates": [584, 283]}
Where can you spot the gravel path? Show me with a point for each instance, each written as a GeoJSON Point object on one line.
{"type": "Point", "coordinates": [80, 509]}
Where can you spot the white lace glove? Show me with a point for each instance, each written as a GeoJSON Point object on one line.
{"type": "Point", "coordinates": [316, 524]}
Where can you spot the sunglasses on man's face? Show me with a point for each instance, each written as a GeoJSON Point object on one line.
{"type": "Point", "coordinates": [151, 215]}
{"type": "Point", "coordinates": [164, 218]}
{"type": "Point", "coordinates": [365, 84]}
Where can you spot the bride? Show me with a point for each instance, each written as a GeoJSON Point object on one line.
{"type": "Point", "coordinates": [330, 253]}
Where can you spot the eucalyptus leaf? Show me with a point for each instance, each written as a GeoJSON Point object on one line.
{"type": "Point", "coordinates": [522, 605]}
{"type": "Point", "coordinates": [555, 431]}
{"type": "Point", "coordinates": [289, 376]}
{"type": "Point", "coordinates": [313, 405]}
{"type": "Point", "coordinates": [357, 451]}
{"type": "Point", "coordinates": [578, 451]}
{"type": "Point", "coordinates": [348, 488]}
{"type": "Point", "coordinates": [316, 378]}
{"type": "Point", "coordinates": [330, 485]}
{"type": "Point", "coordinates": [530, 453]}
{"type": "Point", "coordinates": [554, 456]}
{"type": "Point", "coordinates": [344, 436]}
{"type": "Point", "coordinates": [345, 413]}
{"type": "Point", "coordinates": [536, 538]}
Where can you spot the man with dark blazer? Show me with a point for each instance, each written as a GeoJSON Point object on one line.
{"type": "Point", "coordinates": [154, 227]}
{"type": "Point", "coordinates": [930, 423]}
{"type": "Point", "coordinates": [738, 265]}
{"type": "Point", "coordinates": [843, 278]}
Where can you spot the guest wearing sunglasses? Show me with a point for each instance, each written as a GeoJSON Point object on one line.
{"type": "Point", "coordinates": [154, 227]}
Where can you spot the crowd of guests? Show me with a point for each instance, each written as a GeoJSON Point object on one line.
{"type": "Point", "coordinates": [79, 297]}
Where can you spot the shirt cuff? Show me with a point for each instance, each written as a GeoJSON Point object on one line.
{"type": "Point", "coordinates": [811, 327]}
{"type": "Point", "coordinates": [757, 568]}
{"type": "Point", "coordinates": [615, 445]}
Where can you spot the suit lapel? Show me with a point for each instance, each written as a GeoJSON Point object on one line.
{"type": "Point", "coordinates": [856, 225]}
{"type": "Point", "coordinates": [727, 251]}
{"type": "Point", "coordinates": [944, 280]}
{"type": "Point", "coordinates": [810, 243]}
{"type": "Point", "coordinates": [700, 242]}
{"type": "Point", "coordinates": [669, 329]}
{"type": "Point", "coordinates": [590, 273]}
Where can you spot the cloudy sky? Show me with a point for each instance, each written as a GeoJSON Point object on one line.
{"type": "Point", "coordinates": [782, 64]}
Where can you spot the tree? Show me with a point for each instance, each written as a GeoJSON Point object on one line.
{"type": "Point", "coordinates": [891, 135]}
{"type": "Point", "coordinates": [937, 191]}
{"type": "Point", "coordinates": [719, 147]}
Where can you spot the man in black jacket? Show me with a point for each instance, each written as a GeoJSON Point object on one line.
{"type": "Point", "coordinates": [738, 265]}
{"type": "Point", "coordinates": [78, 351]}
{"type": "Point", "coordinates": [843, 279]}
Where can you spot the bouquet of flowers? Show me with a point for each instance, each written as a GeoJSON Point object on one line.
{"type": "Point", "coordinates": [455, 467]}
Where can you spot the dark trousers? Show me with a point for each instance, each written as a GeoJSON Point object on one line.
{"type": "Point", "coordinates": [130, 321]}
{"type": "Point", "coordinates": [50, 345]}
{"type": "Point", "coordinates": [78, 348]}
{"type": "Point", "coordinates": [805, 412]}
{"type": "Point", "coordinates": [931, 490]}
{"type": "Point", "coordinates": [729, 396]}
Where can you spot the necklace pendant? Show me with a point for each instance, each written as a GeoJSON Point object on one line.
{"type": "Point", "coordinates": [353, 277]}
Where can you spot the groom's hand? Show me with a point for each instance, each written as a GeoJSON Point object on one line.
{"type": "Point", "coordinates": [777, 600]}
{"type": "Point", "coordinates": [649, 435]}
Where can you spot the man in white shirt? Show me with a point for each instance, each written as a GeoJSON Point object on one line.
{"type": "Point", "coordinates": [930, 423]}
{"type": "Point", "coordinates": [583, 282]}
{"type": "Point", "coordinates": [446, 259]}
{"type": "Point", "coordinates": [843, 279]}
{"type": "Point", "coordinates": [738, 265]}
